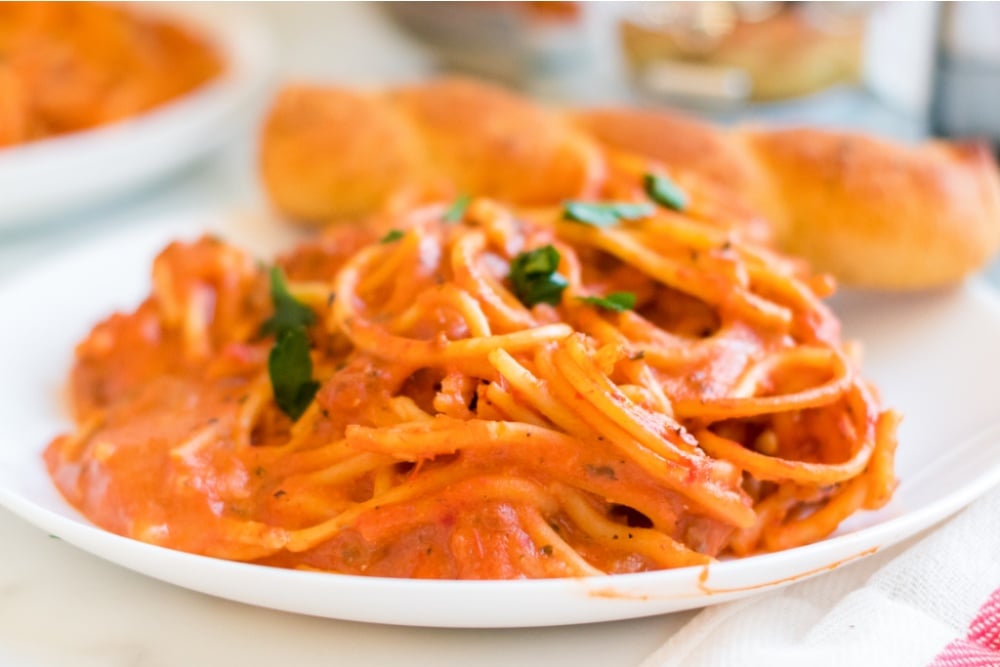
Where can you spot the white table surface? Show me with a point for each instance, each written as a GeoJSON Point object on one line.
{"type": "Point", "coordinates": [62, 607]}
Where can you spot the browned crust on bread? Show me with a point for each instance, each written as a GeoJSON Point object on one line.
{"type": "Point", "coordinates": [486, 141]}
{"type": "Point", "coordinates": [331, 153]}
{"type": "Point", "coordinates": [879, 214]}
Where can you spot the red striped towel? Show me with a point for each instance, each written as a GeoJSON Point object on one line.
{"type": "Point", "coordinates": [980, 647]}
{"type": "Point", "coordinates": [930, 603]}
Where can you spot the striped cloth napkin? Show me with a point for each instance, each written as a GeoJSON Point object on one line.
{"type": "Point", "coordinates": [935, 604]}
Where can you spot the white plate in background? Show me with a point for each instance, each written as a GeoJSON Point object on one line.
{"type": "Point", "coordinates": [933, 356]}
{"type": "Point", "coordinates": [56, 176]}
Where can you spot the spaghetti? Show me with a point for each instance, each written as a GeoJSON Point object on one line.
{"type": "Point", "coordinates": [459, 433]}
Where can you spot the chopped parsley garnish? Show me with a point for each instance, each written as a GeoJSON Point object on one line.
{"type": "Point", "coordinates": [665, 192]}
{"type": "Point", "coordinates": [535, 276]}
{"type": "Point", "coordinates": [289, 364]}
{"type": "Point", "coordinates": [607, 214]}
{"type": "Point", "coordinates": [616, 301]}
{"type": "Point", "coordinates": [456, 211]}
{"type": "Point", "coordinates": [290, 368]}
{"type": "Point", "coordinates": [392, 235]}
{"type": "Point", "coordinates": [288, 312]}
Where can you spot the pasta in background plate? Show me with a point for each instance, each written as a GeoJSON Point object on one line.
{"type": "Point", "coordinates": [66, 67]}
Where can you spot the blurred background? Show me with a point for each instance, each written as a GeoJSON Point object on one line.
{"type": "Point", "coordinates": [905, 70]}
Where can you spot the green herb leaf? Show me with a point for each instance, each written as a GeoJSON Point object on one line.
{"type": "Point", "coordinates": [288, 312]}
{"type": "Point", "coordinates": [290, 368]}
{"type": "Point", "coordinates": [456, 211]}
{"type": "Point", "coordinates": [606, 214]}
{"type": "Point", "coordinates": [392, 235]}
{"type": "Point", "coordinates": [288, 364]}
{"type": "Point", "coordinates": [616, 301]}
{"type": "Point", "coordinates": [535, 277]}
{"type": "Point", "coordinates": [665, 192]}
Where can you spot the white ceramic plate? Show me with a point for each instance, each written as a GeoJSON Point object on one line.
{"type": "Point", "coordinates": [45, 179]}
{"type": "Point", "coordinates": [933, 355]}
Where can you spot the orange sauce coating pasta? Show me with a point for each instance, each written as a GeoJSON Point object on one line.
{"type": "Point", "coordinates": [460, 434]}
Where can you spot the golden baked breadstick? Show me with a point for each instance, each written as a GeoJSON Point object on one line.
{"type": "Point", "coordinates": [878, 214]}
{"type": "Point", "coordinates": [330, 153]}
{"type": "Point", "coordinates": [873, 213]}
